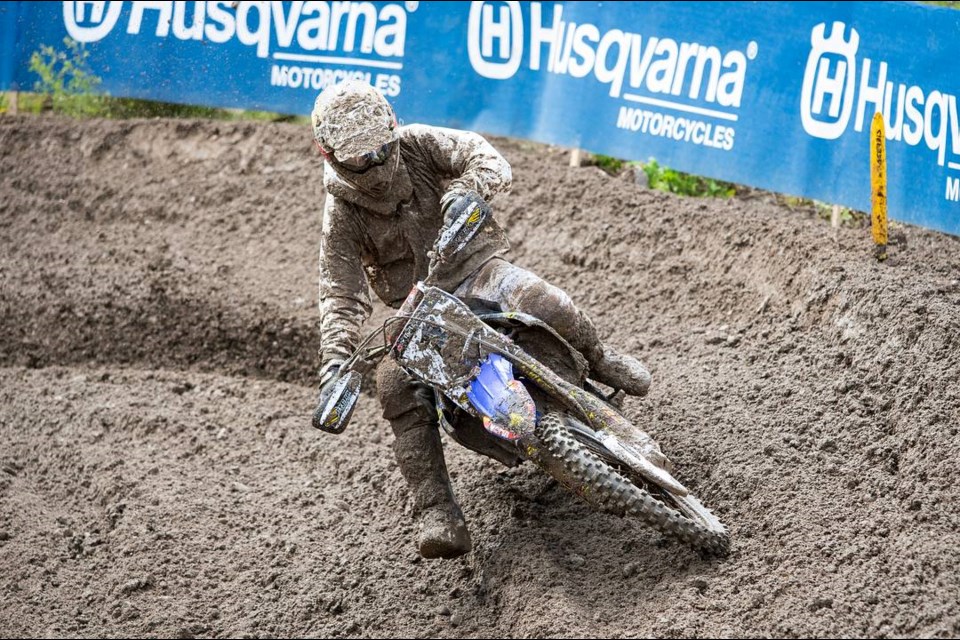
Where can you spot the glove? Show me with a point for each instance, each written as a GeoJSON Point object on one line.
{"type": "Point", "coordinates": [445, 203]}
{"type": "Point", "coordinates": [329, 372]}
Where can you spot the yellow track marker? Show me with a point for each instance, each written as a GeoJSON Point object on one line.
{"type": "Point", "coordinates": [878, 185]}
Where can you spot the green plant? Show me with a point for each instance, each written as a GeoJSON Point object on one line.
{"type": "Point", "coordinates": [608, 163]}
{"type": "Point", "coordinates": [66, 83]}
{"type": "Point", "coordinates": [848, 217]}
{"type": "Point", "coordinates": [667, 179]}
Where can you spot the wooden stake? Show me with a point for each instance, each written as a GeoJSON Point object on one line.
{"type": "Point", "coordinates": [878, 185]}
{"type": "Point", "coordinates": [835, 216]}
{"type": "Point", "coordinates": [575, 157]}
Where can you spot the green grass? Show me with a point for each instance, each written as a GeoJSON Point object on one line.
{"type": "Point", "coordinates": [824, 211]}
{"type": "Point", "coordinates": [67, 86]}
{"type": "Point", "coordinates": [667, 179]}
{"type": "Point", "coordinates": [685, 184]}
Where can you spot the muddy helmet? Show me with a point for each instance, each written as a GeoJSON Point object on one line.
{"type": "Point", "coordinates": [353, 125]}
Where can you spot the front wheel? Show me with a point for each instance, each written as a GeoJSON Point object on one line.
{"type": "Point", "coordinates": [683, 518]}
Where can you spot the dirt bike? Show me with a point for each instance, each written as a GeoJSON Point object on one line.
{"type": "Point", "coordinates": [507, 385]}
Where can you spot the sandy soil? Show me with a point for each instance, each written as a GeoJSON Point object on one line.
{"type": "Point", "coordinates": [158, 475]}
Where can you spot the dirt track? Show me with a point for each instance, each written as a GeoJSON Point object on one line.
{"type": "Point", "coordinates": [158, 475]}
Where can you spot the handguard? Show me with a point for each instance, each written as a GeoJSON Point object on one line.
{"type": "Point", "coordinates": [333, 415]}
{"type": "Point", "coordinates": [467, 214]}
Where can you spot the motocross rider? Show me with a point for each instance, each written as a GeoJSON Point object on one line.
{"type": "Point", "coordinates": [390, 192]}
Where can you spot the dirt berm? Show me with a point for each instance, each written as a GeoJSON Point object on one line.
{"type": "Point", "coordinates": [158, 475]}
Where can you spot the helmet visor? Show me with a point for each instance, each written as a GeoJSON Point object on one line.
{"type": "Point", "coordinates": [364, 161]}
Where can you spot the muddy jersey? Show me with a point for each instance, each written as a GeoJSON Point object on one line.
{"type": "Point", "coordinates": [382, 242]}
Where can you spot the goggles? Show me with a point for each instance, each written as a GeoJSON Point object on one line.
{"type": "Point", "coordinates": [369, 159]}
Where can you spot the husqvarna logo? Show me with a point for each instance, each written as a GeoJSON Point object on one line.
{"type": "Point", "coordinates": [495, 38]}
{"type": "Point", "coordinates": [827, 96]}
{"type": "Point", "coordinates": [90, 21]}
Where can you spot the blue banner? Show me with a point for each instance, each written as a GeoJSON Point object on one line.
{"type": "Point", "coordinates": [774, 95]}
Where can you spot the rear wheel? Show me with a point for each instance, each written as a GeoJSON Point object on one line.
{"type": "Point", "coordinates": [683, 518]}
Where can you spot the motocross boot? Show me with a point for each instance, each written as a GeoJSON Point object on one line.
{"type": "Point", "coordinates": [443, 530]}
{"type": "Point", "coordinates": [413, 417]}
{"type": "Point", "coordinates": [614, 369]}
